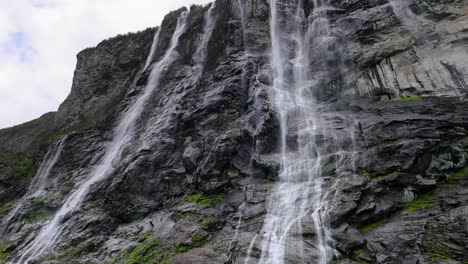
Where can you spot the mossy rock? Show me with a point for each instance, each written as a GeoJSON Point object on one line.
{"type": "Point", "coordinates": [151, 250]}
{"type": "Point", "coordinates": [204, 200]}
{"type": "Point", "coordinates": [372, 226]}
{"type": "Point", "coordinates": [402, 100]}
{"type": "Point", "coordinates": [422, 202]}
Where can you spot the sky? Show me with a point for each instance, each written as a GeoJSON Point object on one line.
{"type": "Point", "coordinates": [39, 40]}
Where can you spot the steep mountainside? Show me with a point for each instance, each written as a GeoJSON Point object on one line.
{"type": "Point", "coordinates": [253, 131]}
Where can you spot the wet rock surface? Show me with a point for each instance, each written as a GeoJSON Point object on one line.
{"type": "Point", "coordinates": [194, 182]}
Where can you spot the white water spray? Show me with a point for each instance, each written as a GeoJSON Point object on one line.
{"type": "Point", "coordinates": [401, 8]}
{"type": "Point", "coordinates": [123, 133]}
{"type": "Point", "coordinates": [248, 259]}
{"type": "Point", "coordinates": [299, 193]}
{"type": "Point", "coordinates": [243, 17]}
{"type": "Point", "coordinates": [152, 50]}
{"type": "Point", "coordinates": [209, 26]}
{"type": "Point", "coordinates": [38, 184]}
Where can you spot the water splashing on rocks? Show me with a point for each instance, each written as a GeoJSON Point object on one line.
{"type": "Point", "coordinates": [123, 133]}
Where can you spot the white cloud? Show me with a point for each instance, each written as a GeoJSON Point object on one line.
{"type": "Point", "coordinates": [39, 40]}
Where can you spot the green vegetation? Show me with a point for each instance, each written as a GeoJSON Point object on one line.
{"type": "Point", "coordinates": [16, 172]}
{"type": "Point", "coordinates": [370, 227]}
{"type": "Point", "coordinates": [368, 173]}
{"type": "Point", "coordinates": [40, 209]}
{"type": "Point", "coordinates": [4, 252]}
{"type": "Point", "coordinates": [434, 249]}
{"type": "Point", "coordinates": [375, 176]}
{"type": "Point", "coordinates": [5, 208]}
{"type": "Point", "coordinates": [196, 10]}
{"type": "Point", "coordinates": [150, 250]}
{"type": "Point", "coordinates": [380, 177]}
{"type": "Point", "coordinates": [47, 118]}
{"type": "Point", "coordinates": [199, 238]}
{"type": "Point", "coordinates": [461, 109]}
{"type": "Point", "coordinates": [423, 202]}
{"type": "Point", "coordinates": [57, 135]}
{"type": "Point", "coordinates": [460, 175]}
{"type": "Point", "coordinates": [402, 100]}
{"type": "Point", "coordinates": [18, 167]}
{"type": "Point", "coordinates": [203, 200]}
{"type": "Point", "coordinates": [209, 223]}
{"type": "Point", "coordinates": [358, 251]}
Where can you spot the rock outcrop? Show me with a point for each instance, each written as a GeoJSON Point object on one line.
{"type": "Point", "coordinates": [193, 184]}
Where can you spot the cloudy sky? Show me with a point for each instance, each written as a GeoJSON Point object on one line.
{"type": "Point", "coordinates": [39, 40]}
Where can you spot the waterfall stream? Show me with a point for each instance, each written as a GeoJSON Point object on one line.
{"type": "Point", "coordinates": [208, 27]}
{"type": "Point", "coordinates": [123, 133]}
{"type": "Point", "coordinates": [299, 195]}
{"type": "Point", "coordinates": [38, 184]}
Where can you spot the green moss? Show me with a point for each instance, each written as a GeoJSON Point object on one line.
{"type": "Point", "coordinates": [202, 200]}
{"type": "Point", "coordinates": [423, 202]}
{"type": "Point", "coordinates": [19, 167]}
{"type": "Point", "coordinates": [375, 176]}
{"type": "Point", "coordinates": [151, 250]}
{"type": "Point", "coordinates": [368, 173]}
{"type": "Point", "coordinates": [40, 209]}
{"type": "Point", "coordinates": [57, 135]}
{"type": "Point", "coordinates": [460, 175]}
{"type": "Point", "coordinates": [402, 100]}
{"type": "Point", "coordinates": [434, 251]}
{"type": "Point", "coordinates": [196, 10]}
{"type": "Point", "coordinates": [199, 238]}
{"type": "Point", "coordinates": [358, 251]}
{"type": "Point", "coordinates": [461, 108]}
{"type": "Point", "coordinates": [5, 208]}
{"type": "Point", "coordinates": [4, 252]}
{"type": "Point", "coordinates": [370, 227]}
{"type": "Point", "coordinates": [447, 185]}
{"type": "Point", "coordinates": [380, 177]}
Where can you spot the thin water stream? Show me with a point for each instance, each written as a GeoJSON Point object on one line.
{"type": "Point", "coordinates": [123, 133]}
{"type": "Point", "coordinates": [38, 184]}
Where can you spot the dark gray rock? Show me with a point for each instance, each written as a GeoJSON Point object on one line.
{"type": "Point", "coordinates": [195, 179]}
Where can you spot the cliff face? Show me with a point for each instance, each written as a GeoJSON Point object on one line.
{"type": "Point", "coordinates": [175, 143]}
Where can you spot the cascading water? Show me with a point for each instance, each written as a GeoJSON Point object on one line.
{"type": "Point", "coordinates": [123, 133]}
{"type": "Point", "coordinates": [299, 195]}
{"type": "Point", "coordinates": [243, 17]}
{"type": "Point", "coordinates": [38, 184]}
{"type": "Point", "coordinates": [209, 25]}
{"type": "Point", "coordinates": [152, 50]}
{"type": "Point", "coordinates": [401, 9]}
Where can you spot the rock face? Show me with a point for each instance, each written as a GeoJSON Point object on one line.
{"type": "Point", "coordinates": [193, 184]}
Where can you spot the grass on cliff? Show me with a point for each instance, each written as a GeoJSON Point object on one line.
{"type": "Point", "coordinates": [57, 135]}
{"type": "Point", "coordinates": [153, 250]}
{"type": "Point", "coordinates": [460, 175]}
{"type": "Point", "coordinates": [203, 200]}
{"type": "Point", "coordinates": [5, 208]}
{"type": "Point", "coordinates": [402, 100]}
{"type": "Point", "coordinates": [372, 226]}
{"type": "Point", "coordinates": [434, 249]}
{"type": "Point", "coordinates": [4, 253]}
{"type": "Point", "coordinates": [16, 169]}
{"type": "Point", "coordinates": [423, 202]}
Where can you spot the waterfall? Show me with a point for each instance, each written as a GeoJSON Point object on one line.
{"type": "Point", "coordinates": [38, 184]}
{"type": "Point", "coordinates": [209, 25]}
{"type": "Point", "coordinates": [152, 50]}
{"type": "Point", "coordinates": [232, 243]}
{"type": "Point", "coordinates": [298, 196]}
{"type": "Point", "coordinates": [123, 133]}
{"type": "Point", "coordinates": [250, 249]}
{"type": "Point", "coordinates": [243, 17]}
{"type": "Point", "coordinates": [401, 9]}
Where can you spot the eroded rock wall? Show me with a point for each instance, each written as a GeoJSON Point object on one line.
{"type": "Point", "coordinates": [193, 184]}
